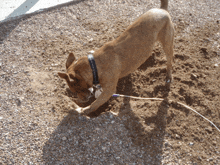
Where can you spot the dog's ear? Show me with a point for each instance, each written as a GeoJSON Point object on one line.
{"type": "Point", "coordinates": [70, 60]}
{"type": "Point", "coordinates": [64, 76]}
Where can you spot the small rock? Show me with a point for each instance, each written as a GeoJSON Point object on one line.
{"type": "Point", "coordinates": [203, 49]}
{"type": "Point", "coordinates": [191, 143]}
{"type": "Point", "coordinates": [177, 136]}
{"type": "Point", "coordinates": [1, 117]}
{"type": "Point", "coordinates": [193, 76]}
{"type": "Point", "coordinates": [74, 17]}
{"type": "Point", "coordinates": [210, 159]}
{"type": "Point", "coordinates": [214, 143]}
{"type": "Point", "coordinates": [209, 129]}
{"type": "Point", "coordinates": [166, 144]}
{"type": "Point", "coordinates": [64, 138]}
{"type": "Point", "coordinates": [18, 102]}
{"type": "Point", "coordinates": [53, 109]}
{"type": "Point", "coordinates": [216, 65]}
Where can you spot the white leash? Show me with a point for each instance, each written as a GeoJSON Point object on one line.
{"type": "Point", "coordinates": [159, 99]}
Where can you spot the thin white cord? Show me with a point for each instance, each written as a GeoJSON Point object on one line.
{"type": "Point", "coordinates": [159, 99]}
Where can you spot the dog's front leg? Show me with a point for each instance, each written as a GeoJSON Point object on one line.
{"type": "Point", "coordinates": [104, 97]}
{"type": "Point", "coordinates": [77, 108]}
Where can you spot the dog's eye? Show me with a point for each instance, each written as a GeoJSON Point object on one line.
{"type": "Point", "coordinates": [71, 76]}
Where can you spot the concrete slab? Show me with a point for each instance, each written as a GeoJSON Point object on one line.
{"type": "Point", "coordinates": [14, 8]}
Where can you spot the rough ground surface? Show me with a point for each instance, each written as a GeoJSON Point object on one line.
{"type": "Point", "coordinates": [38, 124]}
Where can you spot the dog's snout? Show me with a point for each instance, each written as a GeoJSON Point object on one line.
{"type": "Point", "coordinates": [84, 98]}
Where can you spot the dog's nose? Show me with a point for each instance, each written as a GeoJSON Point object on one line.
{"type": "Point", "coordinates": [85, 98]}
{"type": "Point", "coordinates": [83, 101]}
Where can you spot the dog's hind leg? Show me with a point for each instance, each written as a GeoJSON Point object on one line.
{"type": "Point", "coordinates": [166, 37]}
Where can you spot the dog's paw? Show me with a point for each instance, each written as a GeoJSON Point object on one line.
{"type": "Point", "coordinates": [82, 111]}
{"type": "Point", "coordinates": [86, 110]}
{"type": "Point", "coordinates": [79, 110]}
{"type": "Point", "coordinates": [169, 79]}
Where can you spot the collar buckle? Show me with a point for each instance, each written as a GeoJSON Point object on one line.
{"type": "Point", "coordinates": [96, 90]}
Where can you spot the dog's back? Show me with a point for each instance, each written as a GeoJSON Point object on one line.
{"type": "Point", "coordinates": [136, 43]}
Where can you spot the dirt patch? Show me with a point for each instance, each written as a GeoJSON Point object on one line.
{"type": "Point", "coordinates": [38, 124]}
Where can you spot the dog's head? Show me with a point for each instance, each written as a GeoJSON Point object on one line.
{"type": "Point", "coordinates": [74, 80]}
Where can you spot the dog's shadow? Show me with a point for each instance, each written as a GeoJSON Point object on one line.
{"type": "Point", "coordinates": [148, 134]}
{"type": "Point", "coordinates": [151, 140]}
{"type": "Point", "coordinates": [107, 139]}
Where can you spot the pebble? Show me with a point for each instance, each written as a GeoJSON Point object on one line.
{"type": "Point", "coordinates": [191, 143]}
{"type": "Point", "coordinates": [177, 136]}
{"type": "Point", "coordinates": [166, 144]}
{"type": "Point", "coordinates": [18, 102]}
{"type": "Point", "coordinates": [216, 65]}
{"type": "Point", "coordinates": [91, 39]}
{"type": "Point", "coordinates": [210, 159]}
{"type": "Point", "coordinates": [193, 76]}
{"type": "Point", "coordinates": [64, 138]}
{"type": "Point", "coordinates": [74, 17]}
{"type": "Point", "coordinates": [209, 129]}
{"type": "Point", "coordinates": [1, 117]}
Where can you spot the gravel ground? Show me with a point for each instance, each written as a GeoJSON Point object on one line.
{"type": "Point", "coordinates": [38, 124]}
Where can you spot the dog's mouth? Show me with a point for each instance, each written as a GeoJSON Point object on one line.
{"type": "Point", "coordinates": [84, 99]}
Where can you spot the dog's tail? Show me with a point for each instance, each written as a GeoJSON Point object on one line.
{"type": "Point", "coordinates": [164, 4]}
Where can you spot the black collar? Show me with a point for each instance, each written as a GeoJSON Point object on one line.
{"type": "Point", "coordinates": [94, 69]}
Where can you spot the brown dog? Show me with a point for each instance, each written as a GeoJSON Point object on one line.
{"type": "Point", "coordinates": [121, 56]}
